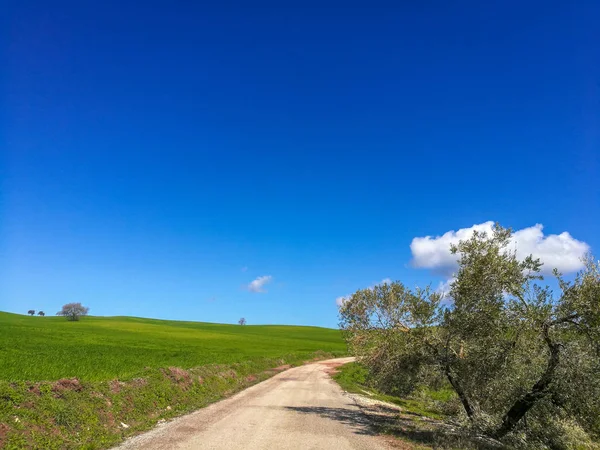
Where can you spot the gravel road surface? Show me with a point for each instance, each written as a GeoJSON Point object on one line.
{"type": "Point", "coordinates": [301, 408]}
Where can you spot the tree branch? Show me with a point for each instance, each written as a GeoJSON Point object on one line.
{"type": "Point", "coordinates": [562, 320]}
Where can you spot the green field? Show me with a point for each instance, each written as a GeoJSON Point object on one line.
{"type": "Point", "coordinates": [103, 348]}
{"type": "Point", "coordinates": [70, 385]}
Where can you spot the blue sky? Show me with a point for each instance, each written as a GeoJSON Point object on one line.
{"type": "Point", "coordinates": [158, 159]}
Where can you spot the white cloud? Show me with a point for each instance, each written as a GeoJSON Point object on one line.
{"type": "Point", "coordinates": [341, 300]}
{"type": "Point", "coordinates": [560, 251]}
{"type": "Point", "coordinates": [444, 288]}
{"type": "Point", "coordinates": [258, 284]}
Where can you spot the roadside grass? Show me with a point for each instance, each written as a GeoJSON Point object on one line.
{"type": "Point", "coordinates": [423, 421]}
{"type": "Point", "coordinates": [92, 383]}
{"type": "Point", "coordinates": [73, 414]}
{"type": "Point", "coordinates": [353, 378]}
{"type": "Point", "coordinates": [103, 348]}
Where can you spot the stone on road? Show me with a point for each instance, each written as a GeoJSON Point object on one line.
{"type": "Point", "coordinates": [301, 408]}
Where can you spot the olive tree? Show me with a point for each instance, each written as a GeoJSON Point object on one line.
{"type": "Point", "coordinates": [508, 346]}
{"type": "Point", "coordinates": [73, 311]}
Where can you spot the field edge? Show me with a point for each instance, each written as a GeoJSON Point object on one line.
{"type": "Point", "coordinates": [69, 413]}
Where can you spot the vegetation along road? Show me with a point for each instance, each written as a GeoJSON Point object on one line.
{"type": "Point", "coordinates": [299, 408]}
{"type": "Point", "coordinates": [92, 383]}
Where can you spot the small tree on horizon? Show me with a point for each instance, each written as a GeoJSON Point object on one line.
{"type": "Point", "coordinates": [242, 321]}
{"type": "Point", "coordinates": [31, 312]}
{"type": "Point", "coordinates": [41, 313]}
{"type": "Point", "coordinates": [73, 311]}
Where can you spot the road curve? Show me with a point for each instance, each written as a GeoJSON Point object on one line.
{"type": "Point", "coordinates": [301, 408]}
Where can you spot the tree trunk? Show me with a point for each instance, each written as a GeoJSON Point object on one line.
{"type": "Point", "coordinates": [460, 392]}
{"type": "Point", "coordinates": [538, 391]}
{"type": "Point", "coordinates": [445, 365]}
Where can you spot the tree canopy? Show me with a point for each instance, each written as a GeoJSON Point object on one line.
{"type": "Point", "coordinates": [509, 346]}
{"type": "Point", "coordinates": [73, 311]}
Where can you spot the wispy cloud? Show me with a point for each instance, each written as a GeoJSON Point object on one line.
{"type": "Point", "coordinates": [341, 300]}
{"type": "Point", "coordinates": [444, 287]}
{"type": "Point", "coordinates": [258, 284]}
{"type": "Point", "coordinates": [245, 269]}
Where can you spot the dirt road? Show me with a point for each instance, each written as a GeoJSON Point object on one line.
{"type": "Point", "coordinates": [301, 408]}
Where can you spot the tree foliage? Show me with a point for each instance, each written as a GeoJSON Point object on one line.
{"type": "Point", "coordinates": [242, 321]}
{"type": "Point", "coordinates": [508, 346]}
{"type": "Point", "coordinates": [73, 311]}
{"type": "Point", "coordinates": [31, 312]}
{"type": "Point", "coordinates": [41, 313]}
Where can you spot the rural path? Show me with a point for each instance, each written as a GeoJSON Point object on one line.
{"type": "Point", "coordinates": [301, 408]}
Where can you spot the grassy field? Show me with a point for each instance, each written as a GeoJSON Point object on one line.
{"type": "Point", "coordinates": [102, 348]}
{"type": "Point", "coordinates": [92, 383]}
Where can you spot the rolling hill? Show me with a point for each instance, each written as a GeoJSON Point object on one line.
{"type": "Point", "coordinates": [102, 348]}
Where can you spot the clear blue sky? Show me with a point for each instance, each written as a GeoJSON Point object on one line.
{"type": "Point", "coordinates": [158, 157]}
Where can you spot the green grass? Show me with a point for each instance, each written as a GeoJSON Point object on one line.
{"type": "Point", "coordinates": [69, 414]}
{"type": "Point", "coordinates": [354, 378]}
{"type": "Point", "coordinates": [70, 385]}
{"type": "Point", "coordinates": [103, 348]}
{"type": "Point", "coordinates": [420, 422]}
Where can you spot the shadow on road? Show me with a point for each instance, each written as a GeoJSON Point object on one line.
{"type": "Point", "coordinates": [354, 418]}
{"type": "Point", "coordinates": [379, 420]}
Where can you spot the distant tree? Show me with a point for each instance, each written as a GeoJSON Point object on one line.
{"type": "Point", "coordinates": [31, 312]}
{"type": "Point", "coordinates": [242, 321]}
{"type": "Point", "coordinates": [73, 311]}
{"type": "Point", "coordinates": [41, 313]}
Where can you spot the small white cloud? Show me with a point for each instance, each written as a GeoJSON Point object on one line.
{"type": "Point", "coordinates": [560, 251]}
{"type": "Point", "coordinates": [258, 284]}
{"type": "Point", "coordinates": [341, 300]}
{"type": "Point", "coordinates": [444, 287]}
